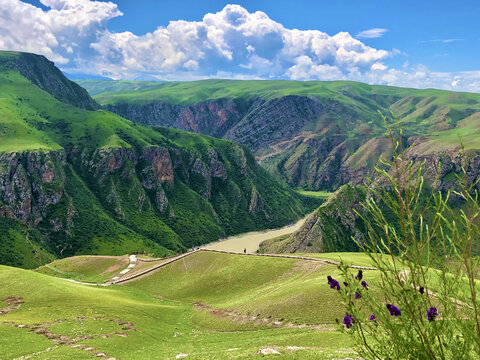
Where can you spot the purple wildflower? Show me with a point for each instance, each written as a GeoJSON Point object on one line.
{"type": "Point", "coordinates": [432, 313]}
{"type": "Point", "coordinates": [394, 311]}
{"type": "Point", "coordinates": [372, 317]}
{"type": "Point", "coordinates": [333, 283]}
{"type": "Point", "coordinates": [348, 321]}
{"type": "Point", "coordinates": [421, 290]}
{"type": "Point", "coordinates": [364, 284]}
{"type": "Point", "coordinates": [357, 296]}
{"type": "Point", "coordinates": [359, 275]}
{"type": "Point", "coordinates": [346, 284]}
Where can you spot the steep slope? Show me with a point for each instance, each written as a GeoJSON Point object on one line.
{"type": "Point", "coordinates": [314, 135]}
{"type": "Point", "coordinates": [329, 229]}
{"type": "Point", "coordinates": [41, 72]}
{"type": "Point", "coordinates": [92, 182]}
{"type": "Point", "coordinates": [333, 225]}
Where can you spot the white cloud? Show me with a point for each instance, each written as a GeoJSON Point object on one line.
{"type": "Point", "coordinates": [371, 33]}
{"type": "Point", "coordinates": [378, 66]}
{"type": "Point", "coordinates": [66, 29]}
{"type": "Point", "coordinates": [444, 41]}
{"type": "Point", "coordinates": [232, 43]}
{"type": "Point", "coordinates": [306, 69]}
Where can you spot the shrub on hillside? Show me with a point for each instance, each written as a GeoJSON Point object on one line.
{"type": "Point", "coordinates": [422, 303]}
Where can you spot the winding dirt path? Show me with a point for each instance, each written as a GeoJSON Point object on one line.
{"type": "Point", "coordinates": [131, 265]}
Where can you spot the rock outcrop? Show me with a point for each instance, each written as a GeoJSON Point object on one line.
{"type": "Point", "coordinates": [29, 183]}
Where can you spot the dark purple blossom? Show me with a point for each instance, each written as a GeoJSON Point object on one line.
{"type": "Point", "coordinates": [421, 290]}
{"type": "Point", "coordinates": [357, 296]}
{"type": "Point", "coordinates": [432, 313]}
{"type": "Point", "coordinates": [359, 275]}
{"type": "Point", "coordinates": [348, 321]}
{"type": "Point", "coordinates": [394, 311]}
{"type": "Point", "coordinates": [333, 283]}
{"type": "Point", "coordinates": [346, 284]}
{"type": "Point", "coordinates": [372, 317]}
{"type": "Point", "coordinates": [364, 284]}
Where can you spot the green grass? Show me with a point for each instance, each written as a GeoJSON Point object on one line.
{"type": "Point", "coordinates": [197, 91]}
{"type": "Point", "coordinates": [273, 287]}
{"type": "Point", "coordinates": [22, 246]}
{"type": "Point", "coordinates": [323, 195]}
{"type": "Point", "coordinates": [350, 258]}
{"type": "Point", "coordinates": [95, 269]}
{"type": "Point", "coordinates": [165, 327]}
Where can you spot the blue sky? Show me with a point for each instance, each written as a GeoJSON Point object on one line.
{"type": "Point", "coordinates": [413, 26]}
{"type": "Point", "coordinates": [405, 43]}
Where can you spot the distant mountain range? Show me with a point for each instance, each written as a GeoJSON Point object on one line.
{"type": "Point", "coordinates": [312, 135]}
{"type": "Point", "coordinates": [75, 179]}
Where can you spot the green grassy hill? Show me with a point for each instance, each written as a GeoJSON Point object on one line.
{"type": "Point", "coordinates": [86, 268]}
{"type": "Point", "coordinates": [91, 182]}
{"type": "Point", "coordinates": [314, 135]}
{"type": "Point", "coordinates": [207, 305]}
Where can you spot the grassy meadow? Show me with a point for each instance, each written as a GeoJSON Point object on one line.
{"type": "Point", "coordinates": [207, 305]}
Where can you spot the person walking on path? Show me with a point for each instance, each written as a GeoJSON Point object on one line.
{"type": "Point", "coordinates": [245, 250]}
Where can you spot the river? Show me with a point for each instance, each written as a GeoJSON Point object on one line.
{"type": "Point", "coordinates": [251, 241]}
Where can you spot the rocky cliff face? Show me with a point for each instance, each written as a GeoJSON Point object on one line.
{"type": "Point", "coordinates": [212, 118]}
{"type": "Point", "coordinates": [312, 135]}
{"type": "Point", "coordinates": [167, 188]}
{"type": "Point", "coordinates": [29, 183]}
{"type": "Point", "coordinates": [441, 167]}
{"type": "Point", "coordinates": [331, 227]}
{"type": "Point", "coordinates": [273, 129]}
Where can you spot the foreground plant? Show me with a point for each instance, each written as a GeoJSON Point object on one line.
{"type": "Point", "coordinates": [422, 301]}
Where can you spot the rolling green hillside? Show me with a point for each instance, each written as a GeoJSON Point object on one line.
{"type": "Point", "coordinates": [314, 135]}
{"type": "Point", "coordinates": [86, 268]}
{"type": "Point", "coordinates": [197, 306]}
{"type": "Point", "coordinates": [91, 182]}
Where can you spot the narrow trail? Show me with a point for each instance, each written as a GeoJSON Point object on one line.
{"type": "Point", "coordinates": [131, 265]}
{"type": "Point", "coordinates": [132, 262]}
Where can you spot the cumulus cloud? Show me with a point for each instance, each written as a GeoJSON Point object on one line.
{"type": "Point", "coordinates": [63, 32]}
{"type": "Point", "coordinates": [231, 43]}
{"type": "Point", "coordinates": [371, 33]}
{"type": "Point", "coordinates": [234, 40]}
